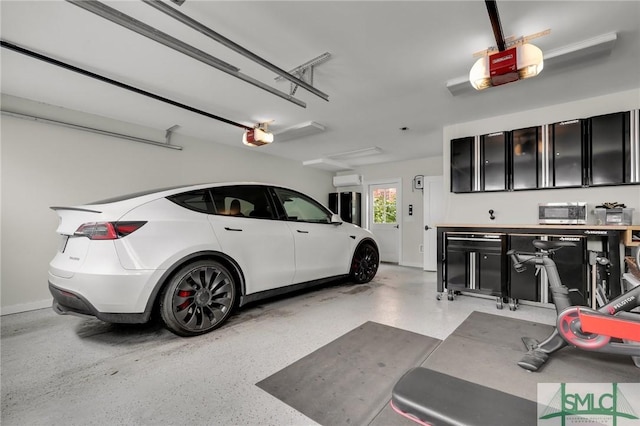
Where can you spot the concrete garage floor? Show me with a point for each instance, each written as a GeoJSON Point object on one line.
{"type": "Point", "coordinates": [75, 371]}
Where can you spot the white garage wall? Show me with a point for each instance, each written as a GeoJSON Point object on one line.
{"type": "Point", "coordinates": [43, 165]}
{"type": "Point", "coordinates": [520, 207]}
{"type": "Point", "coordinates": [410, 226]}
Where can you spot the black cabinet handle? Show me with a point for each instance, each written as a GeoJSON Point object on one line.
{"type": "Point", "coordinates": [232, 229]}
{"type": "Point", "coordinates": [426, 228]}
{"type": "Point", "coordinates": [302, 232]}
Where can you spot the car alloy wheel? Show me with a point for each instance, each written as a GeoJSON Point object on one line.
{"type": "Point", "coordinates": [365, 263]}
{"type": "Point", "coordinates": [198, 299]}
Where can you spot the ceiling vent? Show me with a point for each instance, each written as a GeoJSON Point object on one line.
{"type": "Point", "coordinates": [298, 131]}
{"type": "Point", "coordinates": [327, 164]}
{"type": "Point", "coordinates": [358, 153]}
{"type": "Point", "coordinates": [340, 161]}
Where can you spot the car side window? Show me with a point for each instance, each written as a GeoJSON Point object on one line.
{"type": "Point", "coordinates": [198, 200]}
{"type": "Point", "coordinates": [300, 208]}
{"type": "Point", "coordinates": [242, 201]}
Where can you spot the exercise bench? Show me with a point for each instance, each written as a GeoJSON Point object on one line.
{"type": "Point", "coordinates": [431, 398]}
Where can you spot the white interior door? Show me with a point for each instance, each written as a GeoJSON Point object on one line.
{"type": "Point", "coordinates": [433, 214]}
{"type": "Point", "coordinates": [384, 219]}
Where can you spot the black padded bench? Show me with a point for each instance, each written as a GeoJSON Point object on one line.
{"type": "Point", "coordinates": [427, 396]}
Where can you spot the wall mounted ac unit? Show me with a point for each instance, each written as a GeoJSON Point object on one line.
{"type": "Point", "coordinates": [347, 180]}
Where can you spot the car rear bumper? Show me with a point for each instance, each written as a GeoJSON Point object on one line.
{"type": "Point", "coordinates": [69, 303]}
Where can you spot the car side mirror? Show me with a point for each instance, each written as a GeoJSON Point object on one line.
{"type": "Point", "coordinates": [335, 219]}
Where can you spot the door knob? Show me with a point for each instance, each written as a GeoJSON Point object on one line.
{"type": "Point", "coordinates": [426, 228]}
{"type": "Point", "coordinates": [397, 226]}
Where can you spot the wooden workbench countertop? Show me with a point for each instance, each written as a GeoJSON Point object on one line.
{"type": "Point", "coordinates": [508, 226]}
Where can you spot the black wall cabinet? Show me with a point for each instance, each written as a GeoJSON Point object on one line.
{"type": "Point", "coordinates": [601, 150]}
{"type": "Point", "coordinates": [609, 144]}
{"type": "Point", "coordinates": [493, 150]}
{"type": "Point", "coordinates": [567, 147]}
{"type": "Point", "coordinates": [480, 163]}
{"type": "Point", "coordinates": [462, 164]}
{"type": "Point", "coordinates": [526, 158]}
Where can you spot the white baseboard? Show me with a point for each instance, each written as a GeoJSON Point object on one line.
{"type": "Point", "coordinates": [25, 307]}
{"type": "Point", "coordinates": [411, 265]}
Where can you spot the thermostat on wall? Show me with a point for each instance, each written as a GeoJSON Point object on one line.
{"type": "Point", "coordinates": [418, 182]}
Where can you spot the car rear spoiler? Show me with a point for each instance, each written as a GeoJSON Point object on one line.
{"type": "Point", "coordinates": [77, 209]}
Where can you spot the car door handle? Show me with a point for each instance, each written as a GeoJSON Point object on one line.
{"type": "Point", "coordinates": [232, 229]}
{"type": "Point", "coordinates": [302, 232]}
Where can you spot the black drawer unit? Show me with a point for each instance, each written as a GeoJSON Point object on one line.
{"type": "Point", "coordinates": [526, 285]}
{"type": "Point", "coordinates": [476, 263]}
{"type": "Point", "coordinates": [468, 261]}
{"type": "Point", "coordinates": [572, 264]}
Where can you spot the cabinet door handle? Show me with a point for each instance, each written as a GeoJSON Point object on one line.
{"type": "Point", "coordinates": [232, 229]}
{"type": "Point", "coordinates": [302, 232]}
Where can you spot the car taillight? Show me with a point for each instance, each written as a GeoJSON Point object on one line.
{"type": "Point", "coordinates": [107, 230]}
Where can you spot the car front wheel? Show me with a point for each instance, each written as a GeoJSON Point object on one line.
{"type": "Point", "coordinates": [198, 299]}
{"type": "Point", "coordinates": [364, 264]}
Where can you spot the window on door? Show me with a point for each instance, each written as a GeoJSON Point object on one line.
{"type": "Point", "coordinates": [384, 206]}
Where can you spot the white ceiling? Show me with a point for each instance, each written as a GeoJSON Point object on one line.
{"type": "Point", "coordinates": [390, 62]}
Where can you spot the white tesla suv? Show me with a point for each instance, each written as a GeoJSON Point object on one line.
{"type": "Point", "coordinates": [197, 252]}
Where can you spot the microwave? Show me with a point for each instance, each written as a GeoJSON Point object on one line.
{"type": "Point", "coordinates": [562, 213]}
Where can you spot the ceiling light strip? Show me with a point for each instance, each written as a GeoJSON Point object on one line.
{"type": "Point", "coordinates": [141, 28]}
{"type": "Point", "coordinates": [192, 23]}
{"type": "Point", "coordinates": [92, 130]}
{"type": "Point", "coordinates": [599, 44]}
{"type": "Point", "coordinates": [104, 79]}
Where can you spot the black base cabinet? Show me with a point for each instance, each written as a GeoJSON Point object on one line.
{"type": "Point", "coordinates": [526, 285]}
{"type": "Point", "coordinates": [570, 261]}
{"type": "Point", "coordinates": [572, 268]}
{"type": "Point", "coordinates": [476, 262]}
{"type": "Point", "coordinates": [473, 260]}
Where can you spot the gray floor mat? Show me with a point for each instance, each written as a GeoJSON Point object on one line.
{"type": "Point", "coordinates": [485, 348]}
{"type": "Point", "coordinates": [349, 380]}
